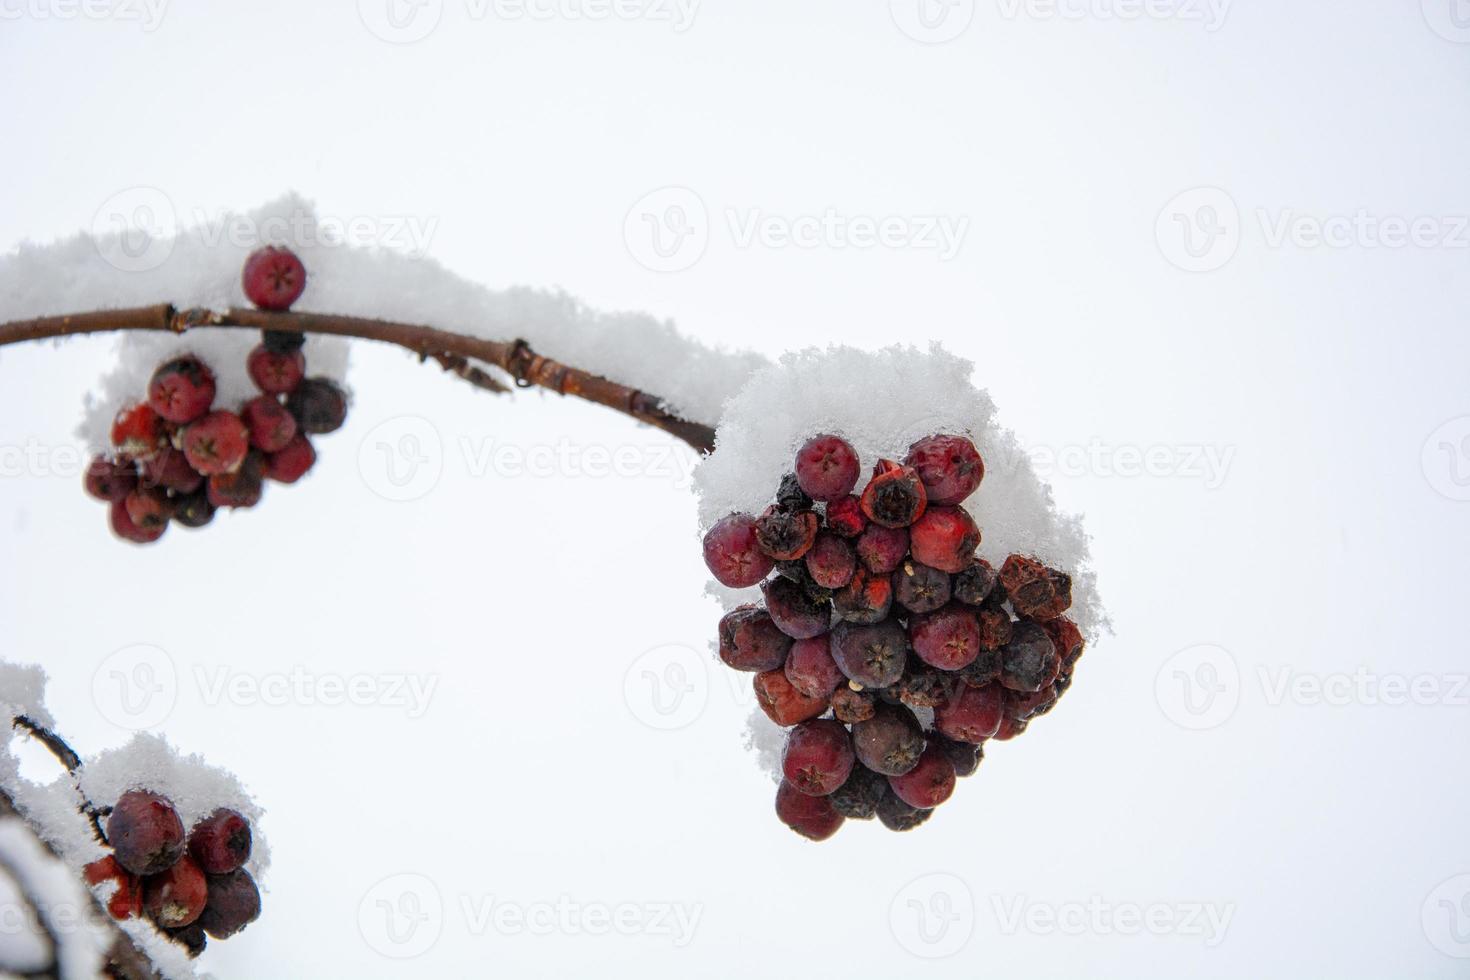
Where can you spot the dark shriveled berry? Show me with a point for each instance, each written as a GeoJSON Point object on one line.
{"type": "Point", "coordinates": [790, 496]}
{"type": "Point", "coordinates": [145, 832]}
{"type": "Point", "coordinates": [282, 341]}
{"type": "Point", "coordinates": [867, 598]}
{"type": "Point", "coordinates": [920, 588]}
{"type": "Point", "coordinates": [929, 783]}
{"type": "Point", "coordinates": [950, 467]}
{"type": "Point", "coordinates": [973, 584]}
{"type": "Point", "coordinates": [1067, 638]}
{"type": "Point", "coordinates": [220, 842]}
{"type": "Point", "coordinates": [110, 480]}
{"type": "Point", "coordinates": [845, 516]}
{"type": "Point", "coordinates": [1029, 662]}
{"type": "Point", "coordinates": [894, 497]}
{"type": "Point", "coordinates": [858, 798]}
{"type": "Point", "coordinates": [242, 488]}
{"type": "Point", "coordinates": [983, 670]}
{"type": "Point", "coordinates": [944, 538]}
{"type": "Point", "coordinates": [785, 535]}
{"type": "Point", "coordinates": [964, 756]}
{"type": "Point", "coordinates": [175, 896]}
{"type": "Point", "coordinates": [1035, 591]}
{"type": "Point", "coordinates": [973, 715]}
{"type": "Point", "coordinates": [831, 561]}
{"type": "Point", "coordinates": [750, 640]}
{"type": "Point", "coordinates": [731, 552]}
{"type": "Point", "coordinates": [782, 702]}
{"type": "Point", "coordinates": [795, 611]}
{"type": "Point", "coordinates": [873, 656]}
{"type": "Point", "coordinates": [818, 757]}
{"type": "Point", "coordinates": [194, 510]}
{"type": "Point", "coordinates": [827, 467]}
{"type": "Point", "coordinates": [811, 669]}
{"type": "Point", "coordinates": [897, 815]}
{"type": "Point", "coordinates": [853, 706]}
{"type": "Point", "coordinates": [996, 629]}
{"type": "Point", "coordinates": [890, 742]}
{"type": "Point", "coordinates": [319, 406]}
{"type": "Point", "coordinates": [947, 638]}
{"type": "Point", "coordinates": [923, 686]}
{"type": "Point", "coordinates": [191, 937]}
{"type": "Point", "coordinates": [882, 549]}
{"type": "Point", "coordinates": [813, 817]}
{"type": "Point", "coordinates": [234, 903]}
{"type": "Point", "coordinates": [797, 572]}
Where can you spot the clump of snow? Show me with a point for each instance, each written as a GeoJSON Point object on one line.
{"type": "Point", "coordinates": [50, 917]}
{"type": "Point", "coordinates": [23, 692]}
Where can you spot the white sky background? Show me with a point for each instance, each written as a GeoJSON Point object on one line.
{"type": "Point", "coordinates": [1330, 540]}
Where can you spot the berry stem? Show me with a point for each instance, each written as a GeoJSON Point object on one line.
{"type": "Point", "coordinates": [453, 352]}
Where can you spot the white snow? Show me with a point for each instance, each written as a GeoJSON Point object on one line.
{"type": "Point", "coordinates": [45, 902]}
{"type": "Point", "coordinates": [23, 692]}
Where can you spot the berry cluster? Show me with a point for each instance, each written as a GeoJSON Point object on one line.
{"type": "Point", "coordinates": [176, 458]}
{"type": "Point", "coordinates": [880, 614]}
{"type": "Point", "coordinates": [190, 885]}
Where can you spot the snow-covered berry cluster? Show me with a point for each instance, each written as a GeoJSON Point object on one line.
{"type": "Point", "coordinates": [191, 886]}
{"type": "Point", "coordinates": [891, 650]}
{"type": "Point", "coordinates": [176, 458]}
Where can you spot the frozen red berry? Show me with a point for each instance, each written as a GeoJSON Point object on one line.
{"type": "Point", "coordinates": [894, 497]}
{"type": "Point", "coordinates": [890, 742]}
{"type": "Point", "coordinates": [923, 686]}
{"type": "Point", "coordinates": [785, 535]}
{"type": "Point", "coordinates": [1035, 591]}
{"type": "Point", "coordinates": [1010, 728]}
{"type": "Point", "coordinates": [882, 549]}
{"type": "Point", "coordinates": [733, 554]}
{"type": "Point", "coordinates": [126, 900]}
{"type": "Point", "coordinates": [972, 715]}
{"type": "Point", "coordinates": [319, 406]}
{"type": "Point", "coordinates": [1067, 638]}
{"type": "Point", "coordinates": [233, 903]}
{"type": "Point", "coordinates": [950, 467]}
{"type": "Point", "coordinates": [273, 278]}
{"type": "Point", "coordinates": [220, 842]}
{"type": "Point", "coordinates": [1026, 705]}
{"type": "Point", "coordinates": [813, 817]}
{"type": "Point", "coordinates": [973, 584]}
{"type": "Point", "coordinates": [831, 561]}
{"type": "Point", "coordinates": [181, 389]}
{"type": "Point", "coordinates": [897, 815]}
{"type": "Point", "coordinates": [996, 629]}
{"type": "Point", "coordinates": [175, 896]}
{"type": "Point", "coordinates": [944, 538]}
{"type": "Point", "coordinates": [920, 588]}
{"type": "Point", "coordinates": [782, 702]}
{"type": "Point", "coordinates": [216, 443]}
{"type": "Point", "coordinates": [194, 510]}
{"type": "Point", "coordinates": [811, 669]}
{"type": "Point", "coordinates": [845, 516]}
{"type": "Point", "coordinates": [292, 462]}
{"type": "Point", "coordinates": [242, 488]}
{"type": "Point", "coordinates": [122, 525]}
{"type": "Point", "coordinates": [947, 638]}
{"type": "Point", "coordinates": [110, 480]}
{"type": "Point", "coordinates": [871, 655]}
{"type": "Point", "coordinates": [964, 756]}
{"type": "Point", "coordinates": [138, 432]}
{"type": "Point", "coordinates": [818, 757]}
{"type": "Point", "coordinates": [271, 427]}
{"type": "Point", "coordinates": [799, 615]}
{"type": "Point", "coordinates": [750, 640]}
{"type": "Point", "coordinates": [827, 467]}
{"type": "Point", "coordinates": [170, 470]}
{"type": "Point", "coordinates": [853, 706]}
{"type": "Point", "coordinates": [859, 796]}
{"type": "Point", "coordinates": [275, 373]}
{"type": "Point", "coordinates": [866, 599]}
{"type": "Point", "coordinates": [149, 508]}
{"type": "Point", "coordinates": [145, 832]}
{"type": "Point", "coordinates": [1029, 662]}
{"type": "Point", "coordinates": [929, 783]}
{"type": "Point", "coordinates": [984, 669]}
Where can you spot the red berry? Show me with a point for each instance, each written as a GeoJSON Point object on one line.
{"type": "Point", "coordinates": [894, 497]}
{"type": "Point", "coordinates": [845, 516]}
{"type": "Point", "coordinates": [271, 427]}
{"type": "Point", "coordinates": [785, 535]}
{"type": "Point", "coordinates": [110, 480]}
{"type": "Point", "coordinates": [149, 508]}
{"type": "Point", "coordinates": [947, 638]}
{"type": "Point", "coordinates": [810, 816]}
{"type": "Point", "coordinates": [866, 599]}
{"type": "Point", "coordinates": [827, 467]}
{"type": "Point", "coordinates": [818, 757]}
{"type": "Point", "coordinates": [127, 900]}
{"type": "Point", "coordinates": [123, 526]}
{"type": "Point", "coordinates": [138, 432]}
{"type": "Point", "coordinates": [181, 389]}
{"type": "Point", "coordinates": [1029, 662]}
{"type": "Point", "coordinates": [233, 903]}
{"type": "Point", "coordinates": [319, 406]}
{"type": "Point", "coordinates": [175, 896]}
{"type": "Point", "coordinates": [220, 842]}
{"type": "Point", "coordinates": [972, 715]}
{"type": "Point", "coordinates": [950, 467]}
{"type": "Point", "coordinates": [275, 373]}
{"type": "Point", "coordinates": [750, 640]}
{"type": "Point", "coordinates": [782, 702]}
{"type": "Point", "coordinates": [291, 463]}
{"type": "Point", "coordinates": [732, 553]}
{"type": "Point", "coordinates": [170, 470]}
{"type": "Point", "coordinates": [944, 538]}
{"type": "Point", "coordinates": [929, 783]}
{"type": "Point", "coordinates": [873, 656]}
{"type": "Point", "coordinates": [831, 561]}
{"type": "Point", "coordinates": [890, 742]}
{"type": "Point", "coordinates": [145, 832]}
{"type": "Point", "coordinates": [882, 549]}
{"type": "Point", "coordinates": [1009, 729]}
{"type": "Point", "coordinates": [1067, 638]}
{"type": "Point", "coordinates": [797, 613]}
{"type": "Point", "coordinates": [273, 278]}
{"type": "Point", "coordinates": [216, 443]}
{"type": "Point", "coordinates": [811, 669]}
{"type": "Point", "coordinates": [242, 488]}
{"type": "Point", "coordinates": [920, 588]}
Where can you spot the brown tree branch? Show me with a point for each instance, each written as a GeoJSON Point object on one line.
{"type": "Point", "coordinates": [451, 350]}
